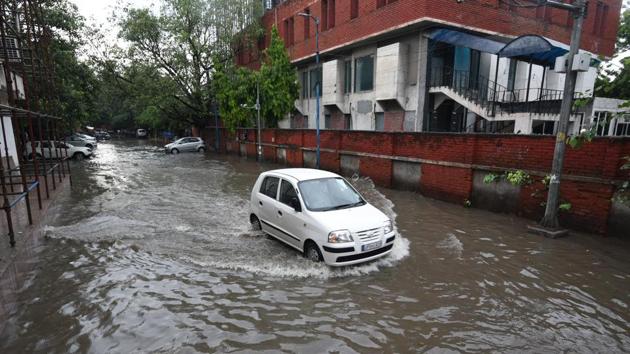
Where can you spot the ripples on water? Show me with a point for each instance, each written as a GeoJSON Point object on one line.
{"type": "Point", "coordinates": [153, 253]}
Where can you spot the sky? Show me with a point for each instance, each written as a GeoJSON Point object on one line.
{"type": "Point", "coordinates": [99, 11]}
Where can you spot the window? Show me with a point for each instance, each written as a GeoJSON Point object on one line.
{"type": "Point", "coordinates": [622, 128]}
{"type": "Point", "coordinates": [601, 123]}
{"type": "Point", "coordinates": [512, 75]}
{"type": "Point", "coordinates": [269, 186]}
{"type": "Point", "coordinates": [329, 194]}
{"type": "Point", "coordinates": [347, 76]}
{"type": "Point", "coordinates": [348, 121]}
{"type": "Point", "coordinates": [324, 17]}
{"type": "Point", "coordinates": [381, 3]}
{"type": "Point", "coordinates": [331, 14]}
{"type": "Point", "coordinates": [327, 121]}
{"type": "Point", "coordinates": [304, 84]}
{"type": "Point", "coordinates": [601, 12]}
{"type": "Point", "coordinates": [364, 73]}
{"type": "Point", "coordinates": [327, 18]}
{"type": "Point", "coordinates": [287, 192]}
{"type": "Point", "coordinates": [289, 31]}
{"type": "Point", "coordinates": [544, 127]}
{"type": "Point", "coordinates": [354, 9]}
{"type": "Point", "coordinates": [315, 81]}
{"type": "Point", "coordinates": [380, 122]}
{"type": "Point", "coordinates": [307, 23]}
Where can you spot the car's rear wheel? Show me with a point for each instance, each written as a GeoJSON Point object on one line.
{"type": "Point", "coordinates": [174, 151]}
{"type": "Point", "coordinates": [311, 252]}
{"type": "Point", "coordinates": [202, 149]}
{"type": "Point", "coordinates": [253, 219]}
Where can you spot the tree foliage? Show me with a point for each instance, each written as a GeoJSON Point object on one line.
{"type": "Point", "coordinates": [183, 42]}
{"type": "Point", "coordinates": [613, 82]}
{"type": "Point", "coordinates": [276, 80]}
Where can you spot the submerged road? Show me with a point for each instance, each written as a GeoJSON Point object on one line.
{"type": "Point", "coordinates": [154, 253]}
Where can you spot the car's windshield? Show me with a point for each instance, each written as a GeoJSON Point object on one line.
{"type": "Point", "coordinates": [329, 194]}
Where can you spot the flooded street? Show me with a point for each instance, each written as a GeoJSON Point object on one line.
{"type": "Point", "coordinates": [154, 253]}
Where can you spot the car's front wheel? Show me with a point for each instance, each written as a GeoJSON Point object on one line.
{"type": "Point", "coordinates": [174, 151]}
{"type": "Point", "coordinates": [202, 149]}
{"type": "Point", "coordinates": [311, 252]}
{"type": "Point", "coordinates": [253, 219]}
{"type": "Point", "coordinates": [79, 156]}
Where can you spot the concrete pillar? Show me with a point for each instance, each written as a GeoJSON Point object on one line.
{"type": "Point", "coordinates": [423, 80]}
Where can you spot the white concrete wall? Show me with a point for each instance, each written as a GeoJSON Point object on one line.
{"type": "Point", "coordinates": [8, 126]}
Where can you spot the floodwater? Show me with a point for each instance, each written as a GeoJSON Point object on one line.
{"type": "Point", "coordinates": [154, 253]}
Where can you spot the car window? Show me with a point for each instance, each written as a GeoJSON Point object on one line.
{"type": "Point", "coordinates": [328, 194]}
{"type": "Point", "coordinates": [269, 186]}
{"type": "Point", "coordinates": [287, 192]}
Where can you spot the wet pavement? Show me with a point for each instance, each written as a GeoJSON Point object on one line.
{"type": "Point", "coordinates": [154, 253]}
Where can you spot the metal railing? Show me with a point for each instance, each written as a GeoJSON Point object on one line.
{"type": "Point", "coordinates": [495, 98]}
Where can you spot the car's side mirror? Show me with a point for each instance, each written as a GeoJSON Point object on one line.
{"type": "Point", "coordinates": [295, 204]}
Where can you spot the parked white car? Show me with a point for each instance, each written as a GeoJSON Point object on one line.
{"type": "Point", "coordinates": [321, 215]}
{"type": "Point", "coordinates": [141, 133]}
{"type": "Point", "coordinates": [57, 149]}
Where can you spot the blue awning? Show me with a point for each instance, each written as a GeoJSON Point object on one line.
{"type": "Point", "coordinates": [536, 49]}
{"type": "Point", "coordinates": [467, 40]}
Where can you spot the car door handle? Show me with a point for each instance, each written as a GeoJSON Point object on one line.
{"type": "Point", "coordinates": [259, 202]}
{"type": "Point", "coordinates": [279, 213]}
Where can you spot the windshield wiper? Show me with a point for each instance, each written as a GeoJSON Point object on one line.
{"type": "Point", "coordinates": [345, 206]}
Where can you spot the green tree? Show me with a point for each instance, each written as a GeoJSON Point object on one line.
{"type": "Point", "coordinates": [277, 80]}
{"type": "Point", "coordinates": [279, 87]}
{"type": "Point", "coordinates": [184, 41]}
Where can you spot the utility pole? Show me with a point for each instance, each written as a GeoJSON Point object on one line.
{"type": "Point", "coordinates": [578, 11]}
{"type": "Point", "coordinates": [318, 85]}
{"type": "Point", "coordinates": [258, 119]}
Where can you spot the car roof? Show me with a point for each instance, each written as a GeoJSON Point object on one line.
{"type": "Point", "coordinates": [303, 174]}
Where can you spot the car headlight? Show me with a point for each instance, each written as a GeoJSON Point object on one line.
{"type": "Point", "coordinates": [389, 227]}
{"type": "Point", "coordinates": [340, 236]}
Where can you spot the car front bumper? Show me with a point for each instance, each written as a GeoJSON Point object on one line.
{"type": "Point", "coordinates": [338, 255]}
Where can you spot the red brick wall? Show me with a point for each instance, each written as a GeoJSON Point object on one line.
{"type": "Point", "coordinates": [447, 183]}
{"type": "Point", "coordinates": [487, 15]}
{"type": "Point", "coordinates": [394, 121]}
{"type": "Point", "coordinates": [591, 201]}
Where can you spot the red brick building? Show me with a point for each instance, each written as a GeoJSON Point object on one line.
{"type": "Point", "coordinates": [386, 65]}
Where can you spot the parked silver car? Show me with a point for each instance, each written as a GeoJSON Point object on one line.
{"type": "Point", "coordinates": [186, 144]}
{"type": "Point", "coordinates": [81, 140]}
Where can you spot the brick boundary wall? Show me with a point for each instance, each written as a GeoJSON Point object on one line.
{"type": "Point", "coordinates": [449, 161]}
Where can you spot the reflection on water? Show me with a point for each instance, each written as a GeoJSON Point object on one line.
{"type": "Point", "coordinates": [153, 253]}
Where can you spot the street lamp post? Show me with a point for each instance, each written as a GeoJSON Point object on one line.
{"type": "Point", "coordinates": [258, 119]}
{"type": "Point", "coordinates": [257, 108]}
{"type": "Point", "coordinates": [317, 86]}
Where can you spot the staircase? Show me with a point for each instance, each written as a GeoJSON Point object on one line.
{"type": "Point", "coordinates": [489, 99]}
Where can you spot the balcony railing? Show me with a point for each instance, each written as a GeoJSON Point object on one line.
{"type": "Point", "coordinates": [495, 98]}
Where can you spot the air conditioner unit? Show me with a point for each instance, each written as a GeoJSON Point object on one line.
{"type": "Point", "coordinates": [561, 64]}
{"type": "Point", "coordinates": [581, 62]}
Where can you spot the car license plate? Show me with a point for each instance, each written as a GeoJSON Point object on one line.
{"type": "Point", "coordinates": [371, 246]}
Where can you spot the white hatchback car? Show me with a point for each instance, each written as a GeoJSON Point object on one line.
{"type": "Point", "coordinates": [320, 214]}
